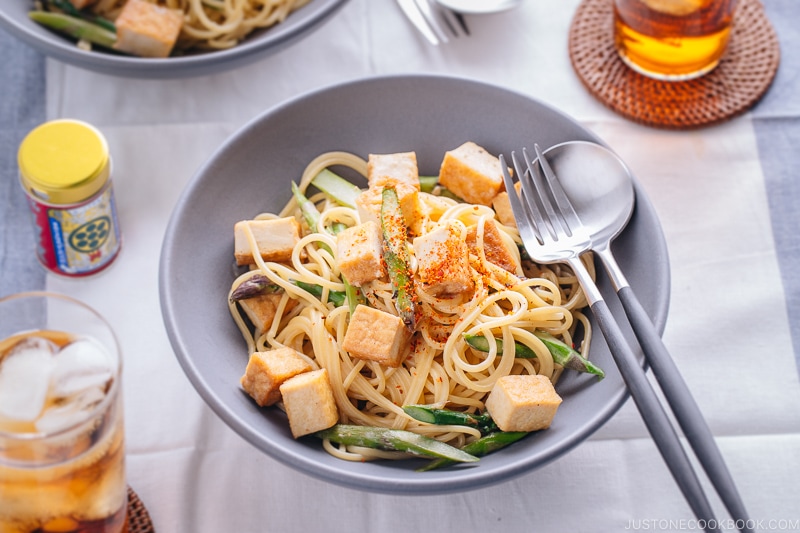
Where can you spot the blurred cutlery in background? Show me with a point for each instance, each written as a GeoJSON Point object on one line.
{"type": "Point", "coordinates": [436, 23]}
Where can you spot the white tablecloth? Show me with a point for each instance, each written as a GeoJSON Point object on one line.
{"type": "Point", "coordinates": [722, 194]}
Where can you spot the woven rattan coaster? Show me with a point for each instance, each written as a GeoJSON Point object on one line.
{"type": "Point", "coordinates": [742, 77]}
{"type": "Point", "coordinates": [138, 517]}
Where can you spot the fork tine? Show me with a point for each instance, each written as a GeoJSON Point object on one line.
{"type": "Point", "coordinates": [455, 21]}
{"type": "Point", "coordinates": [524, 225]}
{"type": "Point", "coordinates": [445, 23]}
{"type": "Point", "coordinates": [544, 193]}
{"type": "Point", "coordinates": [561, 198]}
{"type": "Point", "coordinates": [527, 197]}
{"type": "Point", "coordinates": [531, 192]}
{"type": "Point", "coordinates": [431, 18]}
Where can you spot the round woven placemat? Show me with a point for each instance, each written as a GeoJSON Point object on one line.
{"type": "Point", "coordinates": [138, 517]}
{"type": "Point", "coordinates": [742, 77]}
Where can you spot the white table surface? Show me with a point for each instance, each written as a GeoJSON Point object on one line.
{"type": "Point", "coordinates": [724, 194]}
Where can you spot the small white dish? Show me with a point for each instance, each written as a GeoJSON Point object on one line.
{"type": "Point", "coordinates": [479, 7]}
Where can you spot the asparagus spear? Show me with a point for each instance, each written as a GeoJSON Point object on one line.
{"type": "Point", "coordinates": [69, 9]}
{"type": "Point", "coordinates": [481, 343]}
{"type": "Point", "coordinates": [483, 446]}
{"type": "Point", "coordinates": [260, 284]}
{"type": "Point", "coordinates": [65, 6]}
{"type": "Point", "coordinates": [312, 216]}
{"type": "Point", "coordinates": [427, 183]}
{"type": "Point", "coordinates": [338, 227]}
{"type": "Point", "coordinates": [255, 286]}
{"type": "Point", "coordinates": [337, 297]}
{"type": "Point", "coordinates": [338, 188]}
{"type": "Point", "coordinates": [75, 27]}
{"type": "Point", "coordinates": [394, 440]}
{"type": "Point", "coordinates": [395, 253]}
{"type": "Point", "coordinates": [562, 354]}
{"type": "Point", "coordinates": [307, 207]}
{"type": "Point", "coordinates": [567, 357]}
{"type": "Point", "coordinates": [423, 413]}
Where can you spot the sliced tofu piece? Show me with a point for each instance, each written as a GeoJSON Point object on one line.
{"type": "Point", "coordinates": [147, 30]}
{"type": "Point", "coordinates": [523, 403]}
{"type": "Point", "coordinates": [443, 261]}
{"type": "Point", "coordinates": [275, 239]}
{"type": "Point", "coordinates": [494, 246]}
{"type": "Point", "coordinates": [502, 207]}
{"type": "Point", "coordinates": [261, 309]}
{"type": "Point", "coordinates": [309, 403]}
{"type": "Point", "coordinates": [369, 206]}
{"type": "Point", "coordinates": [376, 335]}
{"type": "Point", "coordinates": [80, 4]}
{"type": "Point", "coordinates": [391, 169]}
{"type": "Point", "coordinates": [358, 253]}
{"type": "Point", "coordinates": [472, 173]}
{"type": "Point", "coordinates": [267, 371]}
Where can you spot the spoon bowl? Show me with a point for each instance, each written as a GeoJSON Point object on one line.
{"type": "Point", "coordinates": [479, 7]}
{"type": "Point", "coordinates": [599, 185]}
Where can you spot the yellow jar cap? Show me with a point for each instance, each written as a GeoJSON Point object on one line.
{"type": "Point", "coordinates": [63, 161]}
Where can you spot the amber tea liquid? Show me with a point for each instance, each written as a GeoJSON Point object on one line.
{"type": "Point", "coordinates": [672, 39]}
{"type": "Point", "coordinates": [70, 480]}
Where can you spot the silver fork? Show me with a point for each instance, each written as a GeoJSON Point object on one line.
{"type": "Point", "coordinates": [436, 23]}
{"type": "Point", "coordinates": [669, 378]}
{"type": "Point", "coordinates": [556, 237]}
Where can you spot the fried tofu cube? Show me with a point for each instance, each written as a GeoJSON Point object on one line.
{"type": "Point", "coordinates": [494, 246]}
{"type": "Point", "coordinates": [358, 253]}
{"type": "Point", "coordinates": [443, 261]}
{"type": "Point", "coordinates": [80, 4]}
{"type": "Point", "coordinates": [369, 205]}
{"type": "Point", "coordinates": [472, 173]}
{"type": "Point", "coordinates": [147, 30]}
{"type": "Point", "coordinates": [390, 169]}
{"type": "Point", "coordinates": [502, 207]}
{"type": "Point", "coordinates": [267, 371]}
{"type": "Point", "coordinates": [376, 335]}
{"type": "Point", "coordinates": [261, 309]}
{"type": "Point", "coordinates": [309, 402]}
{"type": "Point", "coordinates": [275, 239]}
{"type": "Point", "coordinates": [523, 402]}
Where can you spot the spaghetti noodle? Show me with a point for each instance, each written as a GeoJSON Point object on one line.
{"type": "Point", "coordinates": [441, 369]}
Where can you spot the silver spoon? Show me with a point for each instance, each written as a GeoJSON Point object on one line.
{"type": "Point", "coordinates": [478, 7]}
{"type": "Point", "coordinates": [600, 188]}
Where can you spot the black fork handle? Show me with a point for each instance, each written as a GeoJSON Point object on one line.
{"type": "Point", "coordinates": [646, 400]}
{"type": "Point", "coordinates": [677, 394]}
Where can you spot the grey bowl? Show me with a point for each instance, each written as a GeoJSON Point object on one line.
{"type": "Point", "coordinates": [251, 173]}
{"type": "Point", "coordinates": [14, 19]}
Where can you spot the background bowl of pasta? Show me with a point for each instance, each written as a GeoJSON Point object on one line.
{"type": "Point", "coordinates": [252, 173]}
{"type": "Point", "coordinates": [208, 52]}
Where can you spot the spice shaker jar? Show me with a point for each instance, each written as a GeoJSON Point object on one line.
{"type": "Point", "coordinates": [65, 170]}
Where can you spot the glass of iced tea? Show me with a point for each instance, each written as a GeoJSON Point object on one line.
{"type": "Point", "coordinates": [62, 455]}
{"type": "Point", "coordinates": [672, 39]}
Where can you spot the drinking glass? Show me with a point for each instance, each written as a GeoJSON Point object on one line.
{"type": "Point", "coordinates": [672, 40]}
{"type": "Point", "coordinates": [62, 455]}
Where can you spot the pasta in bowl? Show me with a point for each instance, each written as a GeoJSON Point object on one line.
{"type": "Point", "coordinates": [194, 37]}
{"type": "Point", "coordinates": [412, 302]}
{"type": "Point", "coordinates": [159, 28]}
{"type": "Point", "coordinates": [252, 173]}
